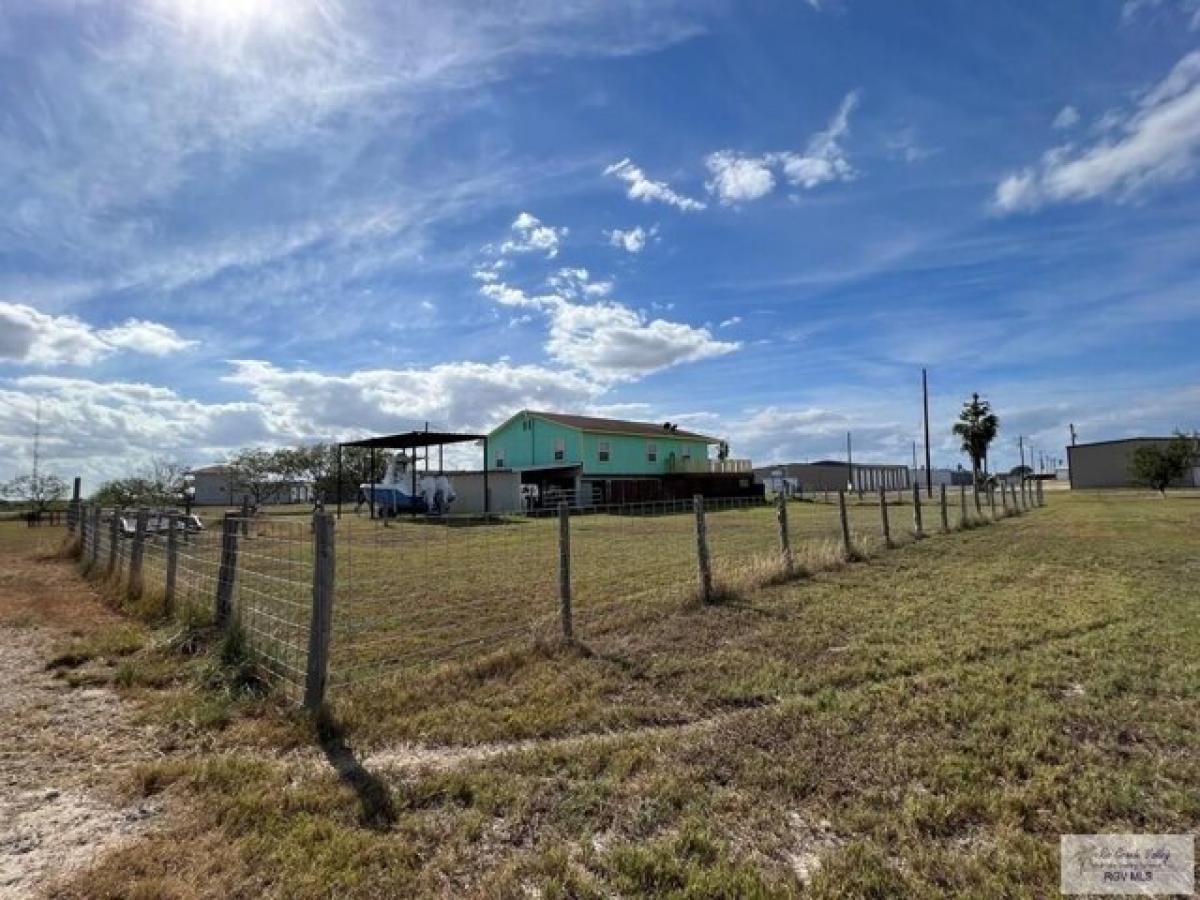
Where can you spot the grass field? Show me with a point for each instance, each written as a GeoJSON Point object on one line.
{"type": "Point", "coordinates": [925, 723]}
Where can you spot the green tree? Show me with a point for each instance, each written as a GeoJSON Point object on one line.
{"type": "Point", "coordinates": [37, 492]}
{"type": "Point", "coordinates": [977, 427]}
{"type": "Point", "coordinates": [1157, 465]}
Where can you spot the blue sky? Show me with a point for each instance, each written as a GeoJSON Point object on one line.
{"type": "Point", "coordinates": [242, 222]}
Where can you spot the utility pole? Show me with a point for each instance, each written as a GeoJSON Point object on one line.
{"type": "Point", "coordinates": [849, 464]}
{"type": "Point", "coordinates": [915, 469]}
{"type": "Point", "coordinates": [925, 401]}
{"type": "Point", "coordinates": [1072, 434]}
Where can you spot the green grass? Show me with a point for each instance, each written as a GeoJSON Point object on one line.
{"type": "Point", "coordinates": [926, 723]}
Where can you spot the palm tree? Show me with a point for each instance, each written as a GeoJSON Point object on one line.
{"type": "Point", "coordinates": [977, 426]}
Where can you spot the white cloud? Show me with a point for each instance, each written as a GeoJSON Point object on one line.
{"type": "Point", "coordinates": [530, 235]}
{"type": "Point", "coordinates": [824, 159]}
{"type": "Point", "coordinates": [731, 321]}
{"type": "Point", "coordinates": [642, 188]}
{"type": "Point", "coordinates": [632, 241]}
{"type": "Point", "coordinates": [738, 178]}
{"type": "Point", "coordinates": [1132, 9]}
{"type": "Point", "coordinates": [577, 284]}
{"type": "Point", "coordinates": [1067, 117]}
{"type": "Point", "coordinates": [36, 338]}
{"type": "Point", "coordinates": [611, 342]}
{"type": "Point", "coordinates": [1155, 143]}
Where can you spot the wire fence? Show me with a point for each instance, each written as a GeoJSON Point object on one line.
{"type": "Point", "coordinates": [318, 602]}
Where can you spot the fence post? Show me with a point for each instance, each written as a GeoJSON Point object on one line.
{"type": "Point", "coordinates": [785, 540]}
{"type": "Point", "coordinates": [1041, 497]}
{"type": "Point", "coordinates": [245, 515]}
{"type": "Point", "coordinates": [992, 500]}
{"type": "Point", "coordinates": [964, 519]}
{"type": "Point", "coordinates": [94, 534]}
{"type": "Point", "coordinates": [83, 530]}
{"type": "Point", "coordinates": [173, 522]}
{"type": "Point", "coordinates": [944, 510]}
{"type": "Point", "coordinates": [321, 627]}
{"type": "Point", "coordinates": [1015, 505]}
{"type": "Point", "coordinates": [884, 525]}
{"type": "Point", "coordinates": [114, 536]}
{"type": "Point", "coordinates": [564, 570]}
{"type": "Point", "coordinates": [137, 553]}
{"type": "Point", "coordinates": [228, 571]}
{"type": "Point", "coordinates": [73, 506]}
{"type": "Point", "coordinates": [978, 508]}
{"type": "Point", "coordinates": [918, 525]}
{"type": "Point", "coordinates": [702, 561]}
{"type": "Point", "coordinates": [847, 549]}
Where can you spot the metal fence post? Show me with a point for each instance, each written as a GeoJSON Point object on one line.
{"type": "Point", "coordinates": [564, 570]}
{"type": "Point", "coordinates": [114, 538]}
{"type": "Point", "coordinates": [321, 626]}
{"type": "Point", "coordinates": [884, 526]}
{"type": "Point", "coordinates": [137, 553]}
{"type": "Point", "coordinates": [73, 505]}
{"type": "Point", "coordinates": [944, 510]}
{"type": "Point", "coordinates": [228, 571]}
{"type": "Point", "coordinates": [703, 563]}
{"type": "Point", "coordinates": [172, 562]}
{"type": "Point", "coordinates": [94, 535]}
{"type": "Point", "coordinates": [847, 548]}
{"type": "Point", "coordinates": [785, 540]}
{"type": "Point", "coordinates": [918, 525]}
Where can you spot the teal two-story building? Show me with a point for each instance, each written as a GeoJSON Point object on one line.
{"type": "Point", "coordinates": [591, 461]}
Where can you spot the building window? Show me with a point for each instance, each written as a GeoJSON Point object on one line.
{"type": "Point", "coordinates": [500, 460]}
{"type": "Point", "coordinates": [651, 451]}
{"type": "Point", "coordinates": [560, 449]}
{"type": "Point", "coordinates": [602, 451]}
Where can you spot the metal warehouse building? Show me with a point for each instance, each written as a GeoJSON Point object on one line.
{"type": "Point", "coordinates": [1106, 464]}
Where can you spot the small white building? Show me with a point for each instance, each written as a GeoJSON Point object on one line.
{"type": "Point", "coordinates": [218, 486]}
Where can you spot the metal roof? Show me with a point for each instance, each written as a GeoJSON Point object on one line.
{"type": "Point", "coordinates": [619, 426]}
{"type": "Point", "coordinates": [410, 439]}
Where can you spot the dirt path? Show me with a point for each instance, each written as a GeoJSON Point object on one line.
{"type": "Point", "coordinates": [61, 748]}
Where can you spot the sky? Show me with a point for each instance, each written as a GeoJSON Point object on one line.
{"type": "Point", "coordinates": [229, 223]}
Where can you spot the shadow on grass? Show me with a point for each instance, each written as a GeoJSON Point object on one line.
{"type": "Point", "coordinates": [378, 811]}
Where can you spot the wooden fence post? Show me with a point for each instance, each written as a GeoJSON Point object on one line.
{"type": "Point", "coordinates": [702, 561]}
{"type": "Point", "coordinates": [94, 534]}
{"type": "Point", "coordinates": [847, 548]}
{"type": "Point", "coordinates": [228, 571]}
{"type": "Point", "coordinates": [944, 510]}
{"type": "Point", "coordinates": [884, 525]}
{"type": "Point", "coordinates": [138, 552]}
{"type": "Point", "coordinates": [785, 540]}
{"type": "Point", "coordinates": [964, 521]}
{"type": "Point", "coordinates": [321, 625]}
{"type": "Point", "coordinates": [114, 538]}
{"type": "Point", "coordinates": [1041, 496]}
{"type": "Point", "coordinates": [1004, 498]}
{"type": "Point", "coordinates": [83, 515]}
{"type": "Point", "coordinates": [173, 522]}
{"type": "Point", "coordinates": [918, 525]}
{"type": "Point", "coordinates": [564, 570]}
{"type": "Point", "coordinates": [1015, 505]}
{"type": "Point", "coordinates": [992, 501]}
{"type": "Point", "coordinates": [245, 515]}
{"type": "Point", "coordinates": [978, 508]}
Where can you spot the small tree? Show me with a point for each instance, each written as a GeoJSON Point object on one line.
{"type": "Point", "coordinates": [977, 427]}
{"type": "Point", "coordinates": [255, 473]}
{"type": "Point", "coordinates": [37, 491]}
{"type": "Point", "coordinates": [1157, 465]}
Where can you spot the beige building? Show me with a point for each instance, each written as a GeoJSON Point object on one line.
{"type": "Point", "coordinates": [1106, 464]}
